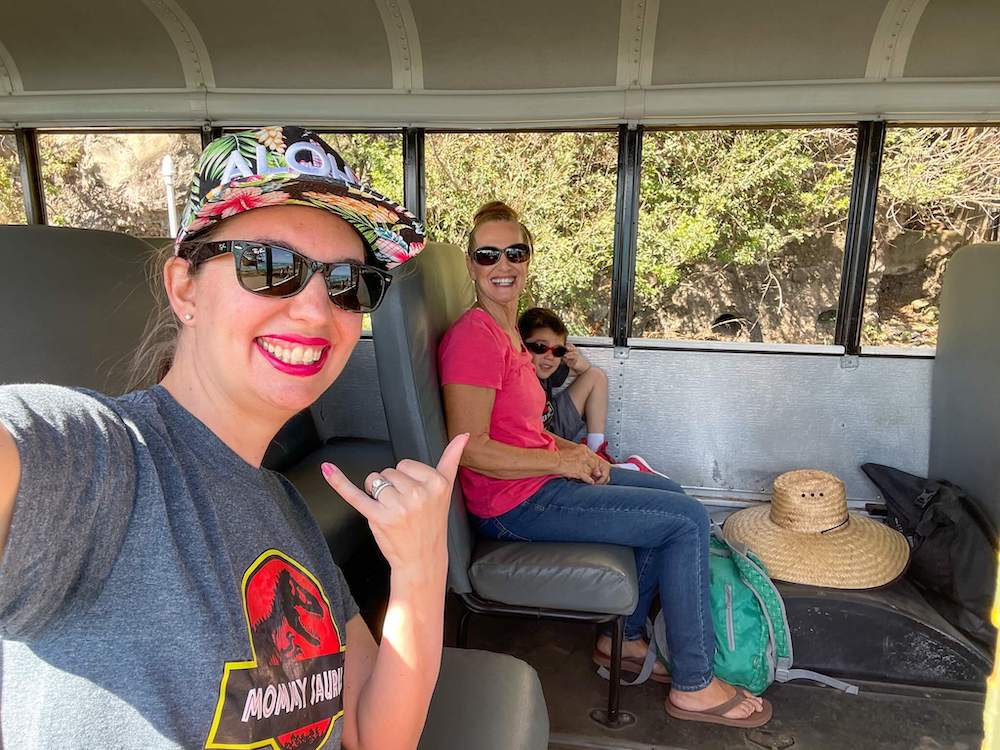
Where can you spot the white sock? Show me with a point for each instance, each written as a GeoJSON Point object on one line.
{"type": "Point", "coordinates": [627, 467]}
{"type": "Point", "coordinates": [595, 440]}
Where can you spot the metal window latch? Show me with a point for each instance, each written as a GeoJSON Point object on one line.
{"type": "Point", "coordinates": [850, 362]}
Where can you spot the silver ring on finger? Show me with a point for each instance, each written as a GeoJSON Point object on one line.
{"type": "Point", "coordinates": [378, 485]}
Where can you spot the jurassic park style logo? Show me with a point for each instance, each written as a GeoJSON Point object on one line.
{"type": "Point", "coordinates": [290, 694]}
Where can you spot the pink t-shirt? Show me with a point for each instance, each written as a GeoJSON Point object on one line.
{"type": "Point", "coordinates": [476, 351]}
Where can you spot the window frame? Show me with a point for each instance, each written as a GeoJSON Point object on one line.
{"type": "Point", "coordinates": [864, 192]}
{"type": "Point", "coordinates": [618, 287]}
{"type": "Point", "coordinates": [16, 135]}
{"type": "Point", "coordinates": [993, 235]}
{"type": "Point", "coordinates": [36, 170]}
{"type": "Point", "coordinates": [837, 348]}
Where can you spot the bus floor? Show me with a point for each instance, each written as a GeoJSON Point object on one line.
{"type": "Point", "coordinates": [806, 717]}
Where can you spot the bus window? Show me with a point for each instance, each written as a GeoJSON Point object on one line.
{"type": "Point", "coordinates": [115, 181]}
{"type": "Point", "coordinates": [938, 191]}
{"type": "Point", "coordinates": [376, 158]}
{"type": "Point", "coordinates": [562, 184]}
{"type": "Point", "coordinates": [11, 197]}
{"type": "Point", "coordinates": [741, 234]}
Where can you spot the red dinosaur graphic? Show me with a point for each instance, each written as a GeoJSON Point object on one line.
{"type": "Point", "coordinates": [290, 694]}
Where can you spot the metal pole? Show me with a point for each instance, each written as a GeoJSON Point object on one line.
{"type": "Point", "coordinates": [626, 232]}
{"type": "Point", "coordinates": [860, 228]}
{"type": "Point", "coordinates": [209, 134]}
{"type": "Point", "coordinates": [414, 185]}
{"type": "Point", "coordinates": [616, 670]}
{"type": "Point", "coordinates": [31, 175]}
{"type": "Point", "coordinates": [167, 170]}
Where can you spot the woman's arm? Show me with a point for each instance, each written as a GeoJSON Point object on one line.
{"type": "Point", "coordinates": [468, 408]}
{"type": "Point", "coordinates": [561, 442]}
{"type": "Point", "coordinates": [387, 689]}
{"type": "Point", "coordinates": [10, 477]}
{"type": "Point", "coordinates": [67, 489]}
{"type": "Point", "coordinates": [600, 469]}
{"type": "Point", "coordinates": [385, 702]}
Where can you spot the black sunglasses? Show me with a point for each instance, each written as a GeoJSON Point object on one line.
{"type": "Point", "coordinates": [490, 256]}
{"type": "Point", "coordinates": [273, 271]}
{"type": "Point", "coordinates": [537, 347]}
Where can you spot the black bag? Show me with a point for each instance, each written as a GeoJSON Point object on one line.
{"type": "Point", "coordinates": [953, 555]}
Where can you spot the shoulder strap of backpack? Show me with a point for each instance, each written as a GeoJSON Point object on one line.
{"type": "Point", "coordinates": [786, 674]}
{"type": "Point", "coordinates": [975, 510]}
{"type": "Point", "coordinates": [755, 575]}
{"type": "Point", "coordinates": [651, 655]}
{"type": "Point", "coordinates": [759, 582]}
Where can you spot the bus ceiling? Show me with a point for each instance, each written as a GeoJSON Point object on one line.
{"type": "Point", "coordinates": [518, 64]}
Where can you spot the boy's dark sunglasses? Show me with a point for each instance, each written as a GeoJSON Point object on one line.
{"type": "Point", "coordinates": [490, 256]}
{"type": "Point", "coordinates": [537, 347]}
{"type": "Point", "coordinates": [273, 271]}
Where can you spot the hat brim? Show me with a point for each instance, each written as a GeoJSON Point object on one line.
{"type": "Point", "coordinates": [861, 554]}
{"type": "Point", "coordinates": [392, 235]}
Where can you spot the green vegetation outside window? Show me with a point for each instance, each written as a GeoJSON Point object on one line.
{"type": "Point", "coordinates": [741, 234]}
{"type": "Point", "coordinates": [939, 190]}
{"type": "Point", "coordinates": [115, 181]}
{"type": "Point", "coordinates": [563, 186]}
{"type": "Point", "coordinates": [11, 196]}
{"type": "Point", "coordinates": [376, 158]}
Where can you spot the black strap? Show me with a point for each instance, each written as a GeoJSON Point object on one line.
{"type": "Point", "coordinates": [929, 492]}
{"type": "Point", "coordinates": [978, 515]}
{"type": "Point", "coordinates": [834, 528]}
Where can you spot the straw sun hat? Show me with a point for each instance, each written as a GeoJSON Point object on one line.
{"type": "Point", "coordinates": [805, 535]}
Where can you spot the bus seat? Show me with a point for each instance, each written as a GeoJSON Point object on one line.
{"type": "Point", "coordinates": [587, 582]}
{"type": "Point", "coordinates": [965, 390]}
{"type": "Point", "coordinates": [505, 712]}
{"type": "Point", "coordinates": [297, 452]}
{"type": "Point", "coordinates": [74, 307]}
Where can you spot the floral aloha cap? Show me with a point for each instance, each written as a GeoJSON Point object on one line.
{"type": "Point", "coordinates": [282, 165]}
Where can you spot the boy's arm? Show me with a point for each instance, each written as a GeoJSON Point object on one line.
{"type": "Point", "coordinates": [575, 361]}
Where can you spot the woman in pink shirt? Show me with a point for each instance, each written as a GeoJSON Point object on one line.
{"type": "Point", "coordinates": [523, 483]}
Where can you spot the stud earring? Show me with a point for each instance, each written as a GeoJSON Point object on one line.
{"type": "Point", "coordinates": [188, 316]}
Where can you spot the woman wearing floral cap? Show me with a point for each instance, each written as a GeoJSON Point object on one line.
{"type": "Point", "coordinates": [158, 588]}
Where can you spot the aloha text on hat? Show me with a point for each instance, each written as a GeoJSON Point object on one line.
{"type": "Point", "coordinates": [318, 164]}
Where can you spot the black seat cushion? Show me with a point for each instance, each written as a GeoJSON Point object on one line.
{"type": "Point", "coordinates": [344, 528]}
{"type": "Point", "coordinates": [296, 440]}
{"type": "Point", "coordinates": [578, 577]}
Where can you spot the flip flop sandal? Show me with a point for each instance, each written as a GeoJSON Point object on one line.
{"type": "Point", "coordinates": [629, 664]}
{"type": "Point", "coordinates": [716, 715]}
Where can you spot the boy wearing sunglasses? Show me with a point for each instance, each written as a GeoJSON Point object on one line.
{"type": "Point", "coordinates": [578, 412]}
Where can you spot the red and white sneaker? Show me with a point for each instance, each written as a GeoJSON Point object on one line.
{"type": "Point", "coordinates": [602, 451]}
{"type": "Point", "coordinates": [642, 465]}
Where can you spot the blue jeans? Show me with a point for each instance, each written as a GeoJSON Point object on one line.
{"type": "Point", "coordinates": [669, 531]}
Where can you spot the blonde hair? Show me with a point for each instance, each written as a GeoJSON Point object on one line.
{"type": "Point", "coordinates": [155, 352]}
{"type": "Point", "coordinates": [497, 211]}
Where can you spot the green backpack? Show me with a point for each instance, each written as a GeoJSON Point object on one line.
{"type": "Point", "coordinates": [753, 646]}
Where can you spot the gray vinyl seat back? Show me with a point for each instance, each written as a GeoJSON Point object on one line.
{"type": "Point", "coordinates": [965, 393]}
{"type": "Point", "coordinates": [485, 701]}
{"type": "Point", "coordinates": [74, 306]}
{"type": "Point", "coordinates": [427, 295]}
